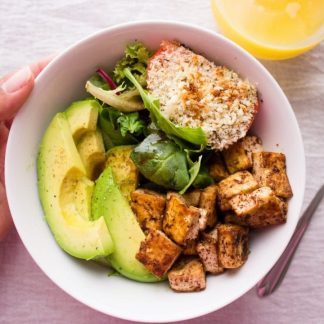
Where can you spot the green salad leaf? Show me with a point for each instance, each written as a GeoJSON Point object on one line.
{"type": "Point", "coordinates": [192, 135]}
{"type": "Point", "coordinates": [164, 163]}
{"type": "Point", "coordinates": [97, 81]}
{"type": "Point", "coordinates": [111, 129]}
{"type": "Point", "coordinates": [203, 178]}
{"type": "Point", "coordinates": [131, 123]}
{"type": "Point", "coordinates": [120, 128]}
{"type": "Point", "coordinates": [135, 59]}
{"type": "Point", "coordinates": [125, 101]}
{"type": "Point", "coordinates": [161, 161]}
{"type": "Point", "coordinates": [193, 172]}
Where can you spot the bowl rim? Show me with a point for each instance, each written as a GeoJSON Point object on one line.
{"type": "Point", "coordinates": [240, 51]}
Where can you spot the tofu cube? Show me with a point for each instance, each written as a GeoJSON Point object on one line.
{"type": "Point", "coordinates": [149, 207]}
{"type": "Point", "coordinates": [231, 218]}
{"type": "Point", "coordinates": [237, 183]}
{"type": "Point", "coordinates": [238, 156]}
{"type": "Point", "coordinates": [158, 253]}
{"type": "Point", "coordinates": [208, 202]}
{"type": "Point", "coordinates": [269, 169]}
{"type": "Point", "coordinates": [208, 254]}
{"type": "Point", "coordinates": [190, 248]}
{"type": "Point", "coordinates": [193, 197]}
{"type": "Point", "coordinates": [211, 236]}
{"type": "Point", "coordinates": [260, 208]}
{"type": "Point", "coordinates": [232, 245]}
{"type": "Point", "coordinates": [188, 275]}
{"type": "Point", "coordinates": [181, 222]}
{"type": "Point", "coordinates": [252, 144]}
{"type": "Point", "coordinates": [217, 168]}
{"type": "Point", "coordinates": [203, 219]}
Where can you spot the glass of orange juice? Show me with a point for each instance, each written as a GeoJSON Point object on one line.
{"type": "Point", "coordinates": [272, 29]}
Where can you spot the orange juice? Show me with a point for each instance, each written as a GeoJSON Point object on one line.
{"type": "Point", "coordinates": [272, 29]}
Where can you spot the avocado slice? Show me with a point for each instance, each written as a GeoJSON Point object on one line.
{"type": "Point", "coordinates": [82, 117]}
{"type": "Point", "coordinates": [107, 200]}
{"type": "Point", "coordinates": [82, 195]}
{"type": "Point", "coordinates": [61, 179]}
{"type": "Point", "coordinates": [92, 151]}
{"type": "Point", "coordinates": [124, 169]}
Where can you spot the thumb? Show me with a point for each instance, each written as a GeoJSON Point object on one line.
{"type": "Point", "coordinates": [14, 91]}
{"type": "Point", "coordinates": [5, 218]}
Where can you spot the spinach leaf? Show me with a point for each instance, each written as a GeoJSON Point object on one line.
{"type": "Point", "coordinates": [192, 135]}
{"type": "Point", "coordinates": [161, 161]}
{"type": "Point", "coordinates": [193, 172]}
{"type": "Point", "coordinates": [203, 178]}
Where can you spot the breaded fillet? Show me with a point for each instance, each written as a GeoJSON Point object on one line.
{"type": "Point", "coordinates": [195, 92]}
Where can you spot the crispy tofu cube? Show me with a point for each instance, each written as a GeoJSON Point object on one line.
{"type": "Point", "coordinates": [211, 236]}
{"type": "Point", "coordinates": [148, 206]}
{"type": "Point", "coordinates": [217, 168]}
{"type": "Point", "coordinates": [193, 197]}
{"type": "Point", "coordinates": [284, 205]}
{"type": "Point", "coordinates": [260, 208]}
{"type": "Point", "coordinates": [231, 218]}
{"type": "Point", "coordinates": [188, 275]}
{"type": "Point", "coordinates": [269, 169]}
{"type": "Point", "coordinates": [232, 245]}
{"type": "Point", "coordinates": [190, 248]}
{"type": "Point", "coordinates": [181, 222]}
{"type": "Point", "coordinates": [238, 157]}
{"type": "Point", "coordinates": [252, 144]}
{"type": "Point", "coordinates": [203, 218]}
{"type": "Point", "coordinates": [208, 202]}
{"type": "Point", "coordinates": [237, 183]}
{"type": "Point", "coordinates": [158, 253]}
{"type": "Point", "coordinates": [208, 253]}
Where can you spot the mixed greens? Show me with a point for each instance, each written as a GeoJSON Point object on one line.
{"type": "Point", "coordinates": [166, 155]}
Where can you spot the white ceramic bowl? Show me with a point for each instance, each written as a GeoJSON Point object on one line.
{"type": "Point", "coordinates": [62, 82]}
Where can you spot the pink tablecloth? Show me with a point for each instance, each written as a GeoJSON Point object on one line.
{"type": "Point", "coordinates": [28, 296]}
{"type": "Point", "coordinates": [31, 29]}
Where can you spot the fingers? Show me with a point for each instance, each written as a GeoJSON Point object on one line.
{"type": "Point", "coordinates": [4, 132]}
{"type": "Point", "coordinates": [5, 217]}
{"type": "Point", "coordinates": [14, 92]}
{"type": "Point", "coordinates": [38, 66]}
{"type": "Point", "coordinates": [16, 87]}
{"type": "Point", "coordinates": [35, 67]}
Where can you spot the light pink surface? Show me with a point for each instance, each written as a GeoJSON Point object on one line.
{"type": "Point", "coordinates": [29, 30]}
{"type": "Point", "coordinates": [28, 296]}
